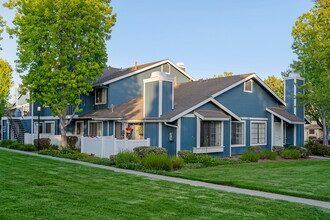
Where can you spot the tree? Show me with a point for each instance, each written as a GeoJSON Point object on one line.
{"type": "Point", "coordinates": [311, 35]}
{"type": "Point", "coordinates": [5, 83]}
{"type": "Point", "coordinates": [62, 49]}
{"type": "Point", "coordinates": [225, 74]}
{"type": "Point", "coordinates": [276, 84]}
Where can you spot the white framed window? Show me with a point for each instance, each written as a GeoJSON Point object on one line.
{"type": "Point", "coordinates": [258, 133]}
{"type": "Point", "coordinates": [50, 127]}
{"type": "Point", "coordinates": [95, 128]}
{"type": "Point", "coordinates": [119, 132]}
{"type": "Point", "coordinates": [100, 96]}
{"type": "Point", "coordinates": [134, 131]}
{"type": "Point", "coordinates": [41, 127]}
{"type": "Point", "coordinates": [237, 133]}
{"type": "Point", "coordinates": [79, 128]}
{"type": "Point", "coordinates": [248, 86]}
{"type": "Point", "coordinates": [211, 134]}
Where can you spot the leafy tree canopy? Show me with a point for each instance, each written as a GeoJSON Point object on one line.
{"type": "Point", "coordinates": [276, 84]}
{"type": "Point", "coordinates": [5, 83]}
{"type": "Point", "coordinates": [225, 74]}
{"type": "Point", "coordinates": [61, 49]}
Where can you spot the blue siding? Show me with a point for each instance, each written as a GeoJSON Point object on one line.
{"type": "Point", "coordinates": [289, 134]}
{"type": "Point", "coordinates": [87, 103]}
{"type": "Point", "coordinates": [105, 128]}
{"type": "Point", "coordinates": [151, 99]}
{"type": "Point", "coordinates": [4, 128]}
{"type": "Point", "coordinates": [248, 104]}
{"type": "Point", "coordinates": [27, 125]}
{"type": "Point", "coordinates": [126, 89]}
{"type": "Point", "coordinates": [169, 146]}
{"type": "Point", "coordinates": [167, 97]}
{"type": "Point", "coordinates": [300, 135]}
{"type": "Point", "coordinates": [226, 138]}
{"type": "Point", "coordinates": [289, 92]}
{"type": "Point", "coordinates": [188, 133]}
{"type": "Point", "coordinates": [111, 131]}
{"type": "Point", "coordinates": [180, 78]}
{"type": "Point", "coordinates": [151, 131]}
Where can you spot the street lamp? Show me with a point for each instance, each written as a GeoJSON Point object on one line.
{"type": "Point", "coordinates": [38, 110]}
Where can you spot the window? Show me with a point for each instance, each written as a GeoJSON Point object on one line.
{"type": "Point", "coordinates": [50, 127]}
{"type": "Point", "coordinates": [100, 96]}
{"type": "Point", "coordinates": [80, 128]}
{"type": "Point", "coordinates": [119, 134]}
{"type": "Point", "coordinates": [248, 86]}
{"type": "Point", "coordinates": [258, 133]}
{"type": "Point", "coordinates": [95, 128]}
{"type": "Point", "coordinates": [36, 127]}
{"type": "Point", "coordinates": [237, 133]}
{"type": "Point", "coordinates": [210, 134]}
{"type": "Point", "coordinates": [311, 131]}
{"type": "Point", "coordinates": [136, 131]}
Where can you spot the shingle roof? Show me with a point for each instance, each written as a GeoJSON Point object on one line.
{"type": "Point", "coordinates": [286, 116]}
{"type": "Point", "coordinates": [211, 114]}
{"type": "Point", "coordinates": [186, 96]}
{"type": "Point", "coordinates": [111, 73]}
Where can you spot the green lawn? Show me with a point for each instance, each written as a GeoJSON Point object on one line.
{"type": "Point", "coordinates": [39, 188]}
{"type": "Point", "coordinates": [308, 178]}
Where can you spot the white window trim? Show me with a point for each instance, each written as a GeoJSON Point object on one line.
{"type": "Point", "coordinates": [199, 134]}
{"type": "Point", "coordinates": [50, 122]}
{"type": "Point", "coordinates": [83, 126]}
{"type": "Point", "coordinates": [261, 122]}
{"type": "Point", "coordinates": [248, 91]}
{"type": "Point", "coordinates": [244, 134]}
{"type": "Point", "coordinates": [35, 125]}
{"type": "Point", "coordinates": [105, 98]}
{"type": "Point", "coordinates": [89, 122]}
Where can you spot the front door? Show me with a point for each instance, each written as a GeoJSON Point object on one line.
{"type": "Point", "coordinates": [278, 136]}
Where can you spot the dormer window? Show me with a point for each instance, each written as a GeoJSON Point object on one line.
{"type": "Point", "coordinates": [248, 86]}
{"type": "Point", "coordinates": [100, 96]}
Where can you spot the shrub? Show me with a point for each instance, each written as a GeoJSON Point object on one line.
{"type": "Point", "coordinates": [291, 154]}
{"type": "Point", "coordinates": [72, 140]}
{"type": "Point", "coordinates": [177, 162]}
{"type": "Point", "coordinates": [27, 147]}
{"type": "Point", "coordinates": [54, 153]}
{"type": "Point", "coordinates": [97, 160]}
{"type": "Point", "coordinates": [317, 149]}
{"type": "Point", "coordinates": [157, 162]}
{"type": "Point", "coordinates": [67, 151]}
{"type": "Point", "coordinates": [15, 145]}
{"type": "Point", "coordinates": [193, 166]}
{"type": "Point", "coordinates": [6, 143]}
{"type": "Point", "coordinates": [203, 159]}
{"type": "Point", "coordinates": [183, 153]}
{"type": "Point", "coordinates": [127, 157]}
{"type": "Point", "coordinates": [53, 147]}
{"type": "Point", "coordinates": [303, 151]}
{"type": "Point", "coordinates": [44, 143]}
{"type": "Point", "coordinates": [131, 166]}
{"type": "Point", "coordinates": [267, 154]}
{"type": "Point", "coordinates": [249, 156]}
{"type": "Point", "coordinates": [311, 137]}
{"type": "Point", "coordinates": [278, 150]}
{"type": "Point", "coordinates": [255, 149]}
{"type": "Point", "coordinates": [145, 150]}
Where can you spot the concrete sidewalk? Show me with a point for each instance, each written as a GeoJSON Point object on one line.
{"type": "Point", "coordinates": [191, 182]}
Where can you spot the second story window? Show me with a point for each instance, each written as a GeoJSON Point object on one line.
{"type": "Point", "coordinates": [248, 86]}
{"type": "Point", "coordinates": [100, 96]}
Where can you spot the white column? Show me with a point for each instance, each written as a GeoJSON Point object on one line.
{"type": "Point", "coordinates": [160, 133]}
{"type": "Point", "coordinates": [282, 132]}
{"type": "Point", "coordinates": [178, 136]}
{"type": "Point", "coordinates": [294, 134]}
{"type": "Point", "coordinates": [198, 138]}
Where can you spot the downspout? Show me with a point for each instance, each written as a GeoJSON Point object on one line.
{"type": "Point", "coordinates": [173, 126]}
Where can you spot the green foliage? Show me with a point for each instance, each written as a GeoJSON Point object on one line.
{"type": "Point", "coordinates": [311, 137]}
{"type": "Point", "coordinates": [53, 147]}
{"type": "Point", "coordinates": [203, 159]}
{"type": "Point", "coordinates": [276, 84]}
{"type": "Point", "coordinates": [278, 150]}
{"type": "Point", "coordinates": [249, 156]}
{"type": "Point", "coordinates": [97, 160]}
{"type": "Point", "coordinates": [15, 146]}
{"type": "Point", "coordinates": [157, 162]}
{"type": "Point", "coordinates": [254, 149]}
{"type": "Point", "coordinates": [183, 153]}
{"type": "Point", "coordinates": [27, 147]}
{"type": "Point", "coordinates": [303, 151]}
{"type": "Point", "coordinates": [267, 154]}
{"type": "Point", "coordinates": [6, 143]}
{"type": "Point", "coordinates": [54, 153]}
{"type": "Point", "coordinates": [145, 150]}
{"type": "Point", "coordinates": [225, 74]}
{"type": "Point", "coordinates": [44, 143]}
{"type": "Point", "coordinates": [126, 157]}
{"type": "Point", "coordinates": [290, 154]}
{"type": "Point", "coordinates": [131, 166]}
{"type": "Point", "coordinates": [317, 149]}
{"type": "Point", "coordinates": [72, 140]}
{"type": "Point", "coordinates": [177, 162]}
{"type": "Point", "coordinates": [62, 49]}
{"type": "Point", "coordinates": [5, 81]}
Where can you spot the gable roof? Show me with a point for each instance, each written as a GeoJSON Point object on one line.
{"type": "Point", "coordinates": [112, 74]}
{"type": "Point", "coordinates": [284, 115]}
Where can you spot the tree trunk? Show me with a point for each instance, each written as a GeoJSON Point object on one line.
{"type": "Point", "coordinates": [63, 131]}
{"type": "Point", "coordinates": [325, 133]}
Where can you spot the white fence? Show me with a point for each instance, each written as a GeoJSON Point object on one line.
{"type": "Point", "coordinates": [106, 146]}
{"type": "Point", "coordinates": [54, 139]}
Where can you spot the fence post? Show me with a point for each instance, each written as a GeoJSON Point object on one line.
{"type": "Point", "coordinates": [102, 146]}
{"type": "Point", "coordinates": [82, 144]}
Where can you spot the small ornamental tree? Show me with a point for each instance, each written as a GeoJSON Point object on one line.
{"type": "Point", "coordinates": [276, 84]}
{"type": "Point", "coordinates": [61, 50]}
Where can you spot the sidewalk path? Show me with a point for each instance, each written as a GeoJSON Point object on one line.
{"type": "Point", "coordinates": [312, 202]}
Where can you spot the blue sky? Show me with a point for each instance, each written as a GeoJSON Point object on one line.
{"type": "Point", "coordinates": [210, 36]}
